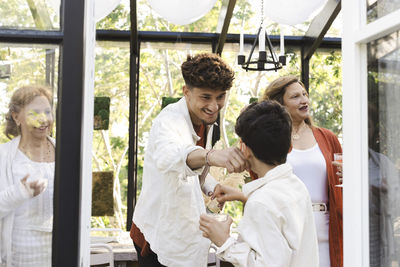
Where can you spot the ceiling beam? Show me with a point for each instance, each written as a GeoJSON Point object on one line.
{"type": "Point", "coordinates": [320, 25]}
{"type": "Point", "coordinates": [333, 43]}
{"type": "Point", "coordinates": [223, 23]}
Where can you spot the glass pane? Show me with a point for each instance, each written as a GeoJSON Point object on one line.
{"type": "Point", "coordinates": [149, 20]}
{"type": "Point", "coordinates": [379, 8]}
{"type": "Point", "coordinates": [118, 19]}
{"type": "Point", "coordinates": [384, 150]}
{"type": "Point", "coordinates": [326, 90]}
{"type": "Point", "coordinates": [247, 13]}
{"type": "Point", "coordinates": [111, 140]}
{"type": "Point", "coordinates": [30, 14]}
{"type": "Point", "coordinates": [28, 79]}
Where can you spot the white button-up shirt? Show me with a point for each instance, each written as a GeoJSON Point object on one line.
{"type": "Point", "coordinates": [170, 203]}
{"type": "Point", "coordinates": [277, 228]}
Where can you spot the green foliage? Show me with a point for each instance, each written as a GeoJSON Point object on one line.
{"type": "Point", "coordinates": [326, 90]}
{"type": "Point", "coordinates": [110, 146]}
{"type": "Point", "coordinates": [139, 182]}
{"type": "Point", "coordinates": [117, 142]}
{"type": "Point", "coordinates": [242, 12]}
{"type": "Point", "coordinates": [168, 100]}
{"type": "Point", "coordinates": [16, 14]}
{"type": "Point", "coordinates": [253, 99]}
{"type": "Point", "coordinates": [235, 210]}
{"type": "Point", "coordinates": [101, 113]}
{"type": "Point", "coordinates": [124, 184]}
{"type": "Point", "coordinates": [118, 19]}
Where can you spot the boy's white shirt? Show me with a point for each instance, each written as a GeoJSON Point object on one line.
{"type": "Point", "coordinates": [170, 203]}
{"type": "Point", "coordinates": [277, 228]}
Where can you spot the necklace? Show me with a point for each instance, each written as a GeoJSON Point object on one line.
{"type": "Point", "coordinates": [296, 134]}
{"type": "Point", "coordinates": [44, 154]}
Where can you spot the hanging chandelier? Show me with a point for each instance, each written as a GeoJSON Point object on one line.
{"type": "Point", "coordinates": [267, 59]}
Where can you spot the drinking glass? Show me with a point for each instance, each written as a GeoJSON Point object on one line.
{"type": "Point", "coordinates": [214, 210]}
{"type": "Point", "coordinates": [338, 157]}
{"type": "Point", "coordinates": [221, 217]}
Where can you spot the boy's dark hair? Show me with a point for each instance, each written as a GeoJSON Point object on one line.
{"type": "Point", "coordinates": [266, 128]}
{"type": "Point", "coordinates": [207, 71]}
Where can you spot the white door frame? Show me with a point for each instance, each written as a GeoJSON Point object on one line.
{"type": "Point", "coordinates": [87, 133]}
{"type": "Point", "coordinates": [356, 34]}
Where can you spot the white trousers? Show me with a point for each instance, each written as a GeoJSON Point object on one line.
{"type": "Point", "coordinates": [322, 225]}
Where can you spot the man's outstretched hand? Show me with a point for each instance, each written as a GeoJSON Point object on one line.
{"type": "Point", "coordinates": [231, 158]}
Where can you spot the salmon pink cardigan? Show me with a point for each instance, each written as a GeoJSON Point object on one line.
{"type": "Point", "coordinates": [329, 144]}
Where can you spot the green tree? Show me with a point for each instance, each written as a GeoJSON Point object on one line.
{"type": "Point", "coordinates": [326, 90]}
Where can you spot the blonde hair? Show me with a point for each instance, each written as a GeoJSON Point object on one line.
{"type": "Point", "coordinates": [277, 89]}
{"type": "Point", "coordinates": [22, 97]}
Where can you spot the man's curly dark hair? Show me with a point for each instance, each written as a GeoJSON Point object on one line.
{"type": "Point", "coordinates": [207, 71]}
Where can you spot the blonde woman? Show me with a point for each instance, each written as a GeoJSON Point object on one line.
{"type": "Point", "coordinates": [311, 157]}
{"type": "Point", "coordinates": [26, 180]}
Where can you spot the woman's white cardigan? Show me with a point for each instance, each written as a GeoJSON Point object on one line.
{"type": "Point", "coordinates": [11, 197]}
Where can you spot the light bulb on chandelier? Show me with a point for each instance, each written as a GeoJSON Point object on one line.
{"type": "Point", "coordinates": [264, 62]}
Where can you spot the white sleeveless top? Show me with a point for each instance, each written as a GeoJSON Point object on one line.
{"type": "Point", "coordinates": [310, 166]}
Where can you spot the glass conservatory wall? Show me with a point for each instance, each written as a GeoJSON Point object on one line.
{"type": "Point", "coordinates": [110, 145]}
{"type": "Point", "coordinates": [371, 121]}
{"type": "Point", "coordinates": [245, 16]}
{"type": "Point", "coordinates": [384, 150]}
{"type": "Point", "coordinates": [379, 8]}
{"type": "Point", "coordinates": [247, 13]}
{"type": "Point", "coordinates": [160, 71]}
{"type": "Point", "coordinates": [326, 90]}
{"type": "Point", "coordinates": [148, 20]}
{"type": "Point", "coordinates": [30, 65]}
{"type": "Point", "coordinates": [34, 22]}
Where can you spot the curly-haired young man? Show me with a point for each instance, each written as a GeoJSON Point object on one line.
{"type": "Point", "coordinates": [277, 228]}
{"type": "Point", "coordinates": [177, 157]}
